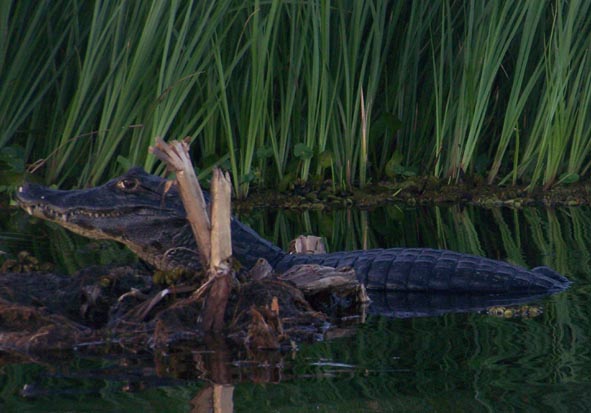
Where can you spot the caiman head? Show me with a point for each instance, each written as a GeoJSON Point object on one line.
{"type": "Point", "coordinates": [137, 209]}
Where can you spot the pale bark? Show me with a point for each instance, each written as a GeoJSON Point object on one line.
{"type": "Point", "coordinates": [176, 156]}
{"type": "Point", "coordinates": [214, 238]}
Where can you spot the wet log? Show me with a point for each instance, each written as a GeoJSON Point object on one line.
{"type": "Point", "coordinates": [321, 285]}
{"type": "Point", "coordinates": [313, 278]}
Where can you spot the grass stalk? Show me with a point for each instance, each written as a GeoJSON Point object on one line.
{"type": "Point", "coordinates": [302, 90]}
{"type": "Point", "coordinates": [555, 122]}
{"type": "Point", "coordinates": [521, 88]}
{"type": "Point", "coordinates": [25, 81]}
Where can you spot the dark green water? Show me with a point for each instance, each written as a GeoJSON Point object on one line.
{"type": "Point", "coordinates": [454, 362]}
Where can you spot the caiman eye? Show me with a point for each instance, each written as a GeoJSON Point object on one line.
{"type": "Point", "coordinates": [128, 184]}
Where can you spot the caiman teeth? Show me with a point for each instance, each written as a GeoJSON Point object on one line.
{"type": "Point", "coordinates": [65, 216]}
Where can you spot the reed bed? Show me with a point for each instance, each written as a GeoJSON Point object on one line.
{"type": "Point", "coordinates": [281, 92]}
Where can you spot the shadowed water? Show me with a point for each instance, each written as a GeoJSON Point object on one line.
{"type": "Point", "coordinates": [452, 362]}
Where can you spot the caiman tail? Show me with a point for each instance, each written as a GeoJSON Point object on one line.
{"type": "Point", "coordinates": [424, 269]}
{"type": "Point", "coordinates": [407, 269]}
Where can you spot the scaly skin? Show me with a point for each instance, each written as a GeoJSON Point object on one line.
{"type": "Point", "coordinates": [139, 210]}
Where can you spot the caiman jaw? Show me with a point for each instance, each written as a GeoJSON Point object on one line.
{"type": "Point", "coordinates": [75, 219]}
{"type": "Point", "coordinates": [47, 212]}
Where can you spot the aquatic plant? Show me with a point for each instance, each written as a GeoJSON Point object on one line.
{"type": "Point", "coordinates": [281, 92]}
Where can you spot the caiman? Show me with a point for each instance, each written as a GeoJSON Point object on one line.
{"type": "Point", "coordinates": [142, 212]}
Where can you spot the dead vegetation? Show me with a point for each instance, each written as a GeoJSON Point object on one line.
{"type": "Point", "coordinates": [122, 309]}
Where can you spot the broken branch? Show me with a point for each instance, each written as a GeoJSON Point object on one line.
{"type": "Point", "coordinates": [214, 240]}
{"type": "Point", "coordinates": [176, 156]}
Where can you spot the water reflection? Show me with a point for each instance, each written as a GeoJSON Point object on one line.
{"type": "Point", "coordinates": [454, 362]}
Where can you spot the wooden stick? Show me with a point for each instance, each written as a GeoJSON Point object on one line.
{"type": "Point", "coordinates": [176, 156]}
{"type": "Point", "coordinates": [221, 237]}
{"type": "Point", "coordinates": [220, 269]}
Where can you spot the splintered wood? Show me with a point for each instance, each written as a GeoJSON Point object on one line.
{"type": "Point", "coordinates": [313, 279]}
{"type": "Point", "coordinates": [176, 156]}
{"type": "Point", "coordinates": [307, 244]}
{"type": "Point", "coordinates": [213, 236]}
{"type": "Point", "coordinates": [221, 237]}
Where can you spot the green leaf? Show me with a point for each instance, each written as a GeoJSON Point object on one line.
{"type": "Point", "coordinates": [302, 151]}
{"type": "Point", "coordinates": [325, 159]}
{"type": "Point", "coordinates": [386, 123]}
{"type": "Point", "coordinates": [264, 152]}
{"type": "Point", "coordinates": [397, 157]}
{"type": "Point", "coordinates": [407, 172]}
{"type": "Point", "coordinates": [287, 180]}
{"type": "Point", "coordinates": [248, 178]}
{"type": "Point", "coordinates": [390, 168]}
{"type": "Point", "coordinates": [393, 165]}
{"type": "Point", "coordinates": [568, 178]}
{"type": "Point", "coordinates": [124, 162]}
{"type": "Point", "coordinates": [395, 213]}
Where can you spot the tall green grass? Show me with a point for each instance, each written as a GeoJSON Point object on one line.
{"type": "Point", "coordinates": [306, 90]}
{"type": "Point", "coordinates": [564, 100]}
{"type": "Point", "coordinates": [464, 77]}
{"type": "Point", "coordinates": [28, 48]}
